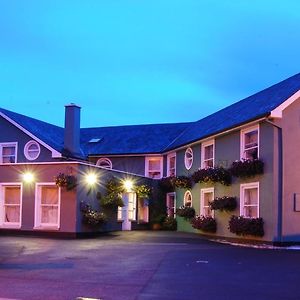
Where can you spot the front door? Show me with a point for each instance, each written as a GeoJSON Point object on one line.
{"type": "Point", "coordinates": [128, 211]}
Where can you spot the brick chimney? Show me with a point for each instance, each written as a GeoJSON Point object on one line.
{"type": "Point", "coordinates": [72, 129]}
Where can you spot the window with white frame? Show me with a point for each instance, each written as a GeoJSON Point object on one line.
{"type": "Point", "coordinates": [104, 163]}
{"type": "Point", "coordinates": [32, 150]}
{"type": "Point", "coordinates": [250, 143]}
{"type": "Point", "coordinates": [171, 205]}
{"type": "Point", "coordinates": [171, 164]}
{"type": "Point", "coordinates": [249, 200]}
{"type": "Point", "coordinates": [47, 205]}
{"type": "Point", "coordinates": [207, 196]}
{"type": "Point", "coordinates": [154, 167]}
{"type": "Point", "coordinates": [11, 204]}
{"type": "Point", "coordinates": [188, 199]}
{"type": "Point", "coordinates": [8, 153]}
{"type": "Point", "coordinates": [188, 158]}
{"type": "Point", "coordinates": [132, 206]}
{"type": "Point", "coordinates": [207, 154]}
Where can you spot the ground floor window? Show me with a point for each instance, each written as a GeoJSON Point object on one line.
{"type": "Point", "coordinates": [47, 205]}
{"type": "Point", "coordinates": [249, 200]}
{"type": "Point", "coordinates": [187, 198]}
{"type": "Point", "coordinates": [11, 204]}
{"type": "Point", "coordinates": [129, 208]}
{"type": "Point", "coordinates": [207, 195]}
{"type": "Point", "coordinates": [171, 204]}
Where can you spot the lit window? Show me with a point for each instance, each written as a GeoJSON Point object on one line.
{"type": "Point", "coordinates": [207, 154]}
{"type": "Point", "coordinates": [249, 196]}
{"type": "Point", "coordinates": [10, 199]}
{"type": "Point", "coordinates": [32, 150]}
{"type": "Point", "coordinates": [104, 163]}
{"type": "Point", "coordinates": [171, 164]}
{"type": "Point", "coordinates": [250, 143]}
{"type": "Point", "coordinates": [154, 167]}
{"type": "Point", "coordinates": [8, 153]}
{"type": "Point", "coordinates": [171, 205]}
{"type": "Point", "coordinates": [207, 196]}
{"type": "Point", "coordinates": [188, 158]}
{"type": "Point", "coordinates": [47, 212]}
{"type": "Point", "coordinates": [187, 198]}
{"type": "Point", "coordinates": [132, 206]}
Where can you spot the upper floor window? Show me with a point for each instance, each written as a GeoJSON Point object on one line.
{"type": "Point", "coordinates": [249, 200]}
{"type": "Point", "coordinates": [32, 150]}
{"type": "Point", "coordinates": [187, 199]}
{"type": "Point", "coordinates": [207, 154]}
{"type": "Point", "coordinates": [154, 167]}
{"type": "Point", "coordinates": [171, 164]}
{"type": "Point", "coordinates": [8, 153]}
{"type": "Point", "coordinates": [250, 143]}
{"type": "Point", "coordinates": [104, 163]}
{"type": "Point", "coordinates": [207, 196]}
{"type": "Point", "coordinates": [188, 158]}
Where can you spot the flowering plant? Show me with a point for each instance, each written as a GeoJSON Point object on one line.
{"type": "Point", "coordinates": [92, 217]}
{"type": "Point", "coordinates": [143, 191]}
{"type": "Point", "coordinates": [224, 203]}
{"type": "Point", "coordinates": [67, 181]}
{"type": "Point", "coordinates": [187, 212]}
{"type": "Point", "coordinates": [217, 174]}
{"type": "Point", "coordinates": [169, 223]}
{"type": "Point", "coordinates": [247, 168]}
{"type": "Point", "coordinates": [204, 223]}
{"type": "Point", "coordinates": [246, 226]}
{"type": "Point", "coordinates": [183, 182]}
{"type": "Point", "coordinates": [111, 200]}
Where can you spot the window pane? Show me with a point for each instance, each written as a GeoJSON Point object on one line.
{"type": "Point", "coordinates": [172, 162]}
{"type": "Point", "coordinates": [251, 139]}
{"type": "Point", "coordinates": [12, 214]}
{"type": "Point", "coordinates": [208, 152]}
{"type": "Point", "coordinates": [251, 197]}
{"type": "Point", "coordinates": [251, 212]}
{"type": "Point", "coordinates": [12, 195]}
{"type": "Point", "coordinates": [8, 150]}
{"type": "Point", "coordinates": [49, 214]}
{"type": "Point", "coordinates": [154, 164]}
{"type": "Point", "coordinates": [49, 195]}
{"type": "Point", "coordinates": [208, 197]}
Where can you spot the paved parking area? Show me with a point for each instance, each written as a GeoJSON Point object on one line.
{"type": "Point", "coordinates": [144, 265]}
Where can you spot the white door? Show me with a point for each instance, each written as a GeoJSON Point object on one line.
{"type": "Point", "coordinates": [128, 210]}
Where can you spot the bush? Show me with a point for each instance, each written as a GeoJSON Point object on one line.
{"type": "Point", "coordinates": [143, 191]}
{"type": "Point", "coordinates": [246, 226]}
{"type": "Point", "coordinates": [207, 224]}
{"type": "Point", "coordinates": [224, 203]}
{"type": "Point", "coordinates": [217, 174]}
{"type": "Point", "coordinates": [169, 224]}
{"type": "Point", "coordinates": [187, 212]}
{"type": "Point", "coordinates": [92, 217]}
{"type": "Point", "coordinates": [166, 184]}
{"type": "Point", "coordinates": [111, 200]}
{"type": "Point", "coordinates": [247, 168]}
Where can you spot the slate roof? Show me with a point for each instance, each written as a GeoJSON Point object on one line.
{"type": "Point", "coordinates": [158, 138]}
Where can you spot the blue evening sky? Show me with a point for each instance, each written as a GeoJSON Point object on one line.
{"type": "Point", "coordinates": [142, 61]}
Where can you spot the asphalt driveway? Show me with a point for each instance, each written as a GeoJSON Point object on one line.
{"type": "Point", "coordinates": [144, 265]}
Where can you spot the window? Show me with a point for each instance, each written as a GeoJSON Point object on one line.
{"type": "Point", "coordinates": [11, 200]}
{"type": "Point", "coordinates": [154, 167]}
{"type": "Point", "coordinates": [8, 153]}
{"type": "Point", "coordinates": [249, 200]}
{"type": "Point", "coordinates": [104, 163]}
{"type": "Point", "coordinates": [207, 195]}
{"type": "Point", "coordinates": [171, 205]}
{"type": "Point", "coordinates": [171, 164]}
{"type": "Point", "coordinates": [132, 206]}
{"type": "Point", "coordinates": [187, 198]}
{"type": "Point", "coordinates": [207, 154]}
{"type": "Point", "coordinates": [47, 210]}
{"type": "Point", "coordinates": [250, 143]}
{"type": "Point", "coordinates": [32, 150]}
{"type": "Point", "coordinates": [188, 158]}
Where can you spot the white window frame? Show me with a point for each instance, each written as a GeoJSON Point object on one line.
{"type": "Point", "coordinates": [4, 224]}
{"type": "Point", "coordinates": [105, 160]}
{"type": "Point", "coordinates": [188, 165]}
{"type": "Point", "coordinates": [160, 170]}
{"type": "Point", "coordinates": [242, 138]}
{"type": "Point", "coordinates": [203, 146]}
{"type": "Point", "coordinates": [169, 156]}
{"type": "Point", "coordinates": [11, 144]}
{"type": "Point", "coordinates": [188, 192]}
{"type": "Point", "coordinates": [202, 193]}
{"type": "Point", "coordinates": [167, 201]}
{"type": "Point", "coordinates": [37, 210]}
{"type": "Point", "coordinates": [244, 187]}
{"type": "Point", "coordinates": [26, 149]}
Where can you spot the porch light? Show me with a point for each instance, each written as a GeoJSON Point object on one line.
{"type": "Point", "coordinates": [128, 185]}
{"type": "Point", "coordinates": [28, 177]}
{"type": "Point", "coordinates": [91, 179]}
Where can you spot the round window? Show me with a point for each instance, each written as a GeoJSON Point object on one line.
{"type": "Point", "coordinates": [187, 198]}
{"type": "Point", "coordinates": [104, 163]}
{"type": "Point", "coordinates": [32, 150]}
{"type": "Point", "coordinates": [188, 158]}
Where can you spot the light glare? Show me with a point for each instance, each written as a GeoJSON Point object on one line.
{"type": "Point", "coordinates": [91, 179]}
{"type": "Point", "coordinates": [128, 185]}
{"type": "Point", "coordinates": [28, 177]}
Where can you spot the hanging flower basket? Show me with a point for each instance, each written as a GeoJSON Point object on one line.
{"type": "Point", "coordinates": [187, 212]}
{"type": "Point", "coordinates": [246, 226]}
{"type": "Point", "coordinates": [224, 203]}
{"type": "Point", "coordinates": [217, 174]}
{"type": "Point", "coordinates": [247, 168]}
{"type": "Point", "coordinates": [66, 181]}
{"type": "Point", "coordinates": [207, 224]}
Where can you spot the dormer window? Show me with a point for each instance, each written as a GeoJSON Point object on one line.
{"type": "Point", "coordinates": [104, 163]}
{"type": "Point", "coordinates": [8, 153]}
{"type": "Point", "coordinates": [250, 143]}
{"type": "Point", "coordinates": [32, 150]}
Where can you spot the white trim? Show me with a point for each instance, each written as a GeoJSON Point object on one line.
{"type": "Point", "coordinates": [277, 112]}
{"type": "Point", "coordinates": [167, 200]}
{"type": "Point", "coordinates": [169, 156]}
{"type": "Point", "coordinates": [244, 187]}
{"type": "Point", "coordinates": [28, 144]}
{"type": "Point", "coordinates": [37, 209]}
{"type": "Point", "coordinates": [4, 224]}
{"type": "Point", "coordinates": [190, 150]}
{"type": "Point", "coordinates": [55, 153]}
{"type": "Point", "coordinates": [203, 146]}
{"type": "Point", "coordinates": [106, 160]}
{"type": "Point", "coordinates": [188, 192]}
{"type": "Point", "coordinates": [9, 144]}
{"type": "Point", "coordinates": [242, 139]}
{"type": "Point", "coordinates": [148, 159]}
{"type": "Point", "coordinates": [202, 193]}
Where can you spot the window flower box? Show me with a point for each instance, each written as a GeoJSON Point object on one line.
{"type": "Point", "coordinates": [246, 226]}
{"type": "Point", "coordinates": [217, 174]}
{"type": "Point", "coordinates": [223, 203]}
{"type": "Point", "coordinates": [204, 223]}
{"type": "Point", "coordinates": [186, 212]}
{"type": "Point", "coordinates": [247, 168]}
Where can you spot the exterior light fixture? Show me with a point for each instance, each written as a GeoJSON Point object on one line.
{"type": "Point", "coordinates": [128, 185]}
{"type": "Point", "coordinates": [28, 177]}
{"type": "Point", "coordinates": [91, 179]}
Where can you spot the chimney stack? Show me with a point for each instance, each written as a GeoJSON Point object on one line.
{"type": "Point", "coordinates": [72, 129]}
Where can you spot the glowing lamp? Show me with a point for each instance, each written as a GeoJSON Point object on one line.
{"type": "Point", "coordinates": [91, 179]}
{"type": "Point", "coordinates": [128, 185]}
{"type": "Point", "coordinates": [28, 177]}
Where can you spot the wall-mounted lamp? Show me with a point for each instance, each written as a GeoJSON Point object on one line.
{"type": "Point", "coordinates": [28, 177]}
{"type": "Point", "coordinates": [91, 178]}
{"type": "Point", "coordinates": [128, 185]}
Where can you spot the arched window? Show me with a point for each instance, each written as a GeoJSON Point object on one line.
{"type": "Point", "coordinates": [187, 198]}
{"type": "Point", "coordinates": [32, 150]}
{"type": "Point", "coordinates": [188, 158]}
{"type": "Point", "coordinates": [104, 163]}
